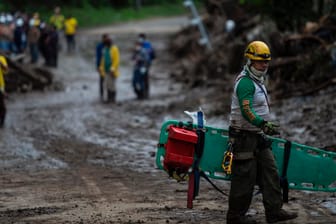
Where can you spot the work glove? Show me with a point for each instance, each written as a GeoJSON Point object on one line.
{"type": "Point", "coordinates": [270, 128]}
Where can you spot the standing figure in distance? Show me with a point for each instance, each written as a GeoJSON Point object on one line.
{"type": "Point", "coordinates": [33, 38]}
{"type": "Point", "coordinates": [254, 161]}
{"type": "Point", "coordinates": [151, 55]}
{"type": "Point", "coordinates": [70, 29]}
{"type": "Point", "coordinates": [99, 55]}
{"type": "Point", "coordinates": [140, 58]}
{"type": "Point", "coordinates": [109, 68]}
{"type": "Point", "coordinates": [57, 20]}
{"type": "Point", "coordinates": [52, 46]}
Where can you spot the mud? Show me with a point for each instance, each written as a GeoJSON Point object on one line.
{"type": "Point", "coordinates": [68, 158]}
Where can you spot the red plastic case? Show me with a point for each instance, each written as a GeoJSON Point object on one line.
{"type": "Point", "coordinates": [180, 148]}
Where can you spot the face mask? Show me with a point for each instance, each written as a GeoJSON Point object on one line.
{"type": "Point", "coordinates": [257, 72]}
{"type": "Point", "coordinates": [141, 39]}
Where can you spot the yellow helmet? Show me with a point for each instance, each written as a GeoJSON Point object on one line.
{"type": "Point", "coordinates": [258, 51]}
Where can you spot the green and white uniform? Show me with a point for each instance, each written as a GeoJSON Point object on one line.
{"type": "Point", "coordinates": [249, 107]}
{"type": "Point", "coordinates": [253, 161]}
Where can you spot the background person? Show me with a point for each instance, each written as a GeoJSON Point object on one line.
{"type": "Point", "coordinates": [142, 39]}
{"type": "Point", "coordinates": [57, 20]}
{"type": "Point", "coordinates": [99, 55]}
{"type": "Point", "coordinates": [33, 38]}
{"type": "Point", "coordinates": [109, 68]}
{"type": "Point", "coordinates": [140, 58]}
{"type": "Point", "coordinates": [70, 29]}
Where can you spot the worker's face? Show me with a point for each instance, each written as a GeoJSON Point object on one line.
{"type": "Point", "coordinates": [260, 65]}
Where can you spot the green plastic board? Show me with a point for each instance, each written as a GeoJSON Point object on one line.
{"type": "Point", "coordinates": [309, 168]}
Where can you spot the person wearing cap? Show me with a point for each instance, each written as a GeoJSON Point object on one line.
{"type": "Point", "coordinates": [253, 161]}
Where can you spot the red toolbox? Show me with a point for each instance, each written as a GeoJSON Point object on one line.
{"type": "Point", "coordinates": [180, 148]}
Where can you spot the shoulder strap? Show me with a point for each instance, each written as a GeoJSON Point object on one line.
{"type": "Point", "coordinates": [260, 86]}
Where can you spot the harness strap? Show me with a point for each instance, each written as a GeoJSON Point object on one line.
{"type": "Point", "coordinates": [202, 174]}
{"type": "Point", "coordinates": [283, 179]}
{"type": "Point", "coordinates": [199, 147]}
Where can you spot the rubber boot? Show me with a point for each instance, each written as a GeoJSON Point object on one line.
{"type": "Point", "coordinates": [282, 215]}
{"type": "Point", "coordinates": [241, 220]}
{"type": "Point", "coordinates": [112, 96]}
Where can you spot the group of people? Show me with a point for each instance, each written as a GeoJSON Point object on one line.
{"type": "Point", "coordinates": [20, 32]}
{"type": "Point", "coordinates": [107, 65]}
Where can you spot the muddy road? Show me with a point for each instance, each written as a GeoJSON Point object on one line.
{"type": "Point", "coordinates": [68, 158]}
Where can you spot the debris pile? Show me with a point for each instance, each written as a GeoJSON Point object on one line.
{"type": "Point", "coordinates": [301, 65]}
{"type": "Point", "coordinates": [25, 77]}
{"type": "Point", "coordinates": [302, 73]}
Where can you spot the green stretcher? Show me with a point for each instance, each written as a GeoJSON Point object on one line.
{"type": "Point", "coordinates": [308, 168]}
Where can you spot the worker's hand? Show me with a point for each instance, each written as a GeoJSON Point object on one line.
{"type": "Point", "coordinates": [270, 128]}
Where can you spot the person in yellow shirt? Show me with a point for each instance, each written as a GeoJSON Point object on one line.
{"type": "Point", "coordinates": [3, 70]}
{"type": "Point", "coordinates": [109, 70]}
{"type": "Point", "coordinates": [57, 19]}
{"type": "Point", "coordinates": [70, 29]}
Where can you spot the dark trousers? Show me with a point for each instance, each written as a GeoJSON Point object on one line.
{"type": "Point", "coordinates": [34, 52]}
{"type": "Point", "coordinates": [111, 94]}
{"type": "Point", "coordinates": [71, 43]}
{"type": "Point", "coordinates": [255, 165]}
{"type": "Point", "coordinates": [101, 87]}
{"type": "Point", "coordinates": [138, 83]}
{"type": "Point", "coordinates": [3, 109]}
{"type": "Point", "coordinates": [146, 83]}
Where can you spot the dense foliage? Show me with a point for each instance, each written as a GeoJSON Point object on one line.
{"type": "Point", "coordinates": [24, 4]}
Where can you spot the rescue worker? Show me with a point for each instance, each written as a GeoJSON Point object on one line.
{"type": "Point", "coordinates": [253, 161]}
{"type": "Point", "coordinates": [142, 39]}
{"type": "Point", "coordinates": [141, 60]}
{"type": "Point", "coordinates": [57, 19]}
{"type": "Point", "coordinates": [3, 71]}
{"type": "Point", "coordinates": [109, 68]}
{"type": "Point", "coordinates": [70, 29]}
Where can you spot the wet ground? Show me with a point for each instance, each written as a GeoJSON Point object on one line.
{"type": "Point", "coordinates": [68, 158]}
